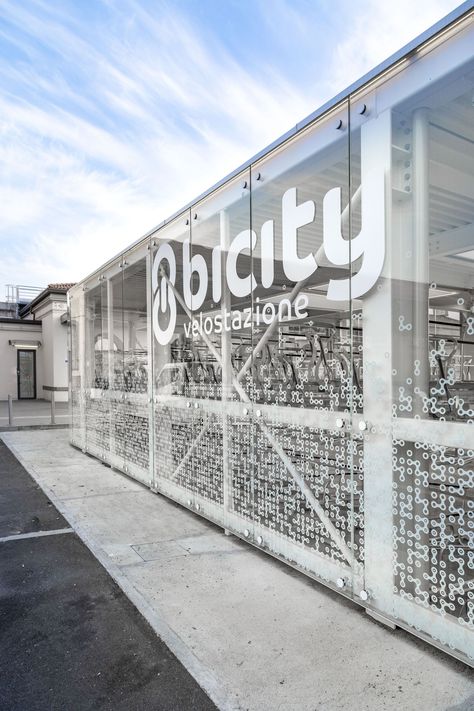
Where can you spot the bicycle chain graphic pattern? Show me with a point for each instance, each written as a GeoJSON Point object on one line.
{"type": "Point", "coordinates": [433, 489]}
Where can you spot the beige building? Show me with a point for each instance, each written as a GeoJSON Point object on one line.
{"type": "Point", "coordinates": [33, 346]}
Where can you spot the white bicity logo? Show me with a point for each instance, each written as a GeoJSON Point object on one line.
{"type": "Point", "coordinates": [164, 299]}
{"type": "Point", "coordinates": [367, 248]}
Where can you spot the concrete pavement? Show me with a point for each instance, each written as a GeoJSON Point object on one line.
{"type": "Point", "coordinates": [29, 413]}
{"type": "Point", "coordinates": [255, 634]}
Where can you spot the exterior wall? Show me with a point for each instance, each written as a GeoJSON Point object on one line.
{"type": "Point", "coordinates": [292, 356]}
{"type": "Point", "coordinates": [51, 357]}
{"type": "Point", "coordinates": [8, 310]}
{"type": "Point", "coordinates": [55, 350]}
{"type": "Point", "coordinates": [8, 356]}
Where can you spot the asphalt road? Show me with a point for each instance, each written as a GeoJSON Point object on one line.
{"type": "Point", "coordinates": [69, 638]}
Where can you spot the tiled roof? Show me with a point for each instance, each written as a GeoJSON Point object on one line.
{"type": "Point", "coordinates": [61, 287]}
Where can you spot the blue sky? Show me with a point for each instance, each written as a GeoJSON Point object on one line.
{"type": "Point", "coordinates": [114, 114]}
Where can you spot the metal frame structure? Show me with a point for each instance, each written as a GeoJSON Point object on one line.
{"type": "Point", "coordinates": [292, 355]}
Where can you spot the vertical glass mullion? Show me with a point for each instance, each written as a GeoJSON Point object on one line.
{"type": "Point", "coordinates": [351, 329]}
{"type": "Point", "coordinates": [150, 368]}
{"type": "Point", "coordinates": [117, 345]}
{"type": "Point", "coordinates": [370, 156]}
{"type": "Point", "coordinates": [253, 425]}
{"type": "Point", "coordinates": [110, 362]}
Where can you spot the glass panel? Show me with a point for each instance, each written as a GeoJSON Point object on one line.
{"type": "Point", "coordinates": [433, 369]}
{"type": "Point", "coordinates": [116, 365]}
{"type": "Point", "coordinates": [76, 302]}
{"type": "Point", "coordinates": [221, 460]}
{"type": "Point", "coordinates": [26, 375]}
{"type": "Point", "coordinates": [96, 370]}
{"type": "Point", "coordinates": [418, 347]}
{"type": "Point", "coordinates": [302, 368]}
{"type": "Point", "coordinates": [132, 427]}
{"type": "Point", "coordinates": [172, 358]}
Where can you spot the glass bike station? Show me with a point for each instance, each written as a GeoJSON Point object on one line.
{"type": "Point", "coordinates": [292, 355]}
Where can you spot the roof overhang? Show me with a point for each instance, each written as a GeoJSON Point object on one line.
{"type": "Point", "coordinates": [25, 344]}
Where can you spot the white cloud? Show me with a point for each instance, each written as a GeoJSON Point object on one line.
{"type": "Point", "coordinates": [380, 31]}
{"type": "Point", "coordinates": [107, 129]}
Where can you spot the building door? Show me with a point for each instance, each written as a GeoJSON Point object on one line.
{"type": "Point", "coordinates": [26, 372]}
